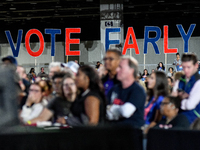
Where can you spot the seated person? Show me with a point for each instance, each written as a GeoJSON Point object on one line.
{"type": "Point", "coordinates": [34, 104]}
{"type": "Point", "coordinates": [59, 107]}
{"type": "Point", "coordinates": [169, 108]}
{"type": "Point", "coordinates": [158, 89]}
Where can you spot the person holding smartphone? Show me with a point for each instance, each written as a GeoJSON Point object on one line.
{"type": "Point", "coordinates": [188, 87]}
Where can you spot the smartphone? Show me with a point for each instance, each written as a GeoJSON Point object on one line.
{"type": "Point", "coordinates": [180, 90]}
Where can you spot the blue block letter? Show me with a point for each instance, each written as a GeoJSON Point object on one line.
{"type": "Point", "coordinates": [187, 36]}
{"type": "Point", "coordinates": [53, 32]}
{"type": "Point", "coordinates": [107, 41]}
{"type": "Point", "coordinates": [10, 40]}
{"type": "Point", "coordinates": [151, 40]}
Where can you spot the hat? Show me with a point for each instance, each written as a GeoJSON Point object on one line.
{"type": "Point", "coordinates": [72, 65]}
{"type": "Point", "coordinates": [11, 58]}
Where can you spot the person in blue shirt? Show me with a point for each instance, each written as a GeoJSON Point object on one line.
{"type": "Point", "coordinates": [188, 87]}
{"type": "Point", "coordinates": [158, 89]}
{"type": "Point", "coordinates": [111, 62]}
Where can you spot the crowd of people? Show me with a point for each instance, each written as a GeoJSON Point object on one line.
{"type": "Point", "coordinates": [113, 93]}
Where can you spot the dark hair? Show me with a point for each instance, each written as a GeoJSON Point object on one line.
{"type": "Point", "coordinates": [177, 54]}
{"type": "Point", "coordinates": [67, 75]}
{"type": "Point", "coordinates": [41, 68]}
{"type": "Point", "coordinates": [163, 67]}
{"type": "Point", "coordinates": [161, 86]}
{"type": "Point", "coordinates": [116, 51]}
{"type": "Point", "coordinates": [189, 57]}
{"type": "Point", "coordinates": [170, 79]}
{"type": "Point", "coordinates": [95, 82]}
{"type": "Point", "coordinates": [31, 70]}
{"type": "Point", "coordinates": [174, 100]}
{"type": "Point", "coordinates": [58, 75]}
{"type": "Point", "coordinates": [144, 72]}
{"type": "Point", "coordinates": [171, 68]}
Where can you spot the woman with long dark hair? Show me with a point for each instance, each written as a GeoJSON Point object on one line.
{"type": "Point", "coordinates": [145, 73]}
{"type": "Point", "coordinates": [32, 75]}
{"type": "Point", "coordinates": [91, 100]}
{"type": "Point", "coordinates": [161, 67]}
{"type": "Point", "coordinates": [158, 89]}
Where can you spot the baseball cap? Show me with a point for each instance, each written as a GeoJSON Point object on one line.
{"type": "Point", "coordinates": [72, 65]}
{"type": "Point", "coordinates": [11, 58]}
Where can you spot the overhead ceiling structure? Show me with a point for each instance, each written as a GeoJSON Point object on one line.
{"type": "Point", "coordinates": [52, 11]}
{"type": "Point", "coordinates": [148, 9]}
{"type": "Point", "coordinates": [86, 13]}
{"type": "Point", "coordinates": [59, 10]}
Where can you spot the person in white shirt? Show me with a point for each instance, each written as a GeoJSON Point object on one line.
{"type": "Point", "coordinates": [188, 87]}
{"type": "Point", "coordinates": [34, 104]}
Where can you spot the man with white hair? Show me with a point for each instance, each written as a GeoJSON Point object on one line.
{"type": "Point", "coordinates": [126, 100]}
{"type": "Point", "coordinates": [53, 68]}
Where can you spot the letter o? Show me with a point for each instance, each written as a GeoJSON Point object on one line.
{"type": "Point", "coordinates": [41, 39]}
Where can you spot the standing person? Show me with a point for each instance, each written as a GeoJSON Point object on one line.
{"type": "Point", "coordinates": [91, 100]}
{"type": "Point", "coordinates": [158, 89]}
{"type": "Point", "coordinates": [32, 75]}
{"type": "Point", "coordinates": [9, 60]}
{"type": "Point", "coordinates": [126, 100]}
{"type": "Point", "coordinates": [177, 63]}
{"type": "Point", "coordinates": [53, 68]}
{"type": "Point", "coordinates": [160, 67]}
{"type": "Point", "coordinates": [111, 62]}
{"type": "Point", "coordinates": [187, 87]}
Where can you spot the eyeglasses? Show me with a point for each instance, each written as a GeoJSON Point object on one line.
{"type": "Point", "coordinates": [56, 83]}
{"type": "Point", "coordinates": [165, 103]}
{"type": "Point", "coordinates": [108, 58]}
{"type": "Point", "coordinates": [69, 85]}
{"type": "Point", "coordinates": [32, 90]}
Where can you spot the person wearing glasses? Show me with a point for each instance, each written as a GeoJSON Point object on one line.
{"type": "Point", "coordinates": [169, 108]}
{"type": "Point", "coordinates": [34, 103]}
{"type": "Point", "coordinates": [187, 87]}
{"type": "Point", "coordinates": [59, 107]}
{"type": "Point", "coordinates": [111, 62]}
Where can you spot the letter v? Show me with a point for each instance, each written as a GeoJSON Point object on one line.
{"type": "Point", "coordinates": [10, 40]}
